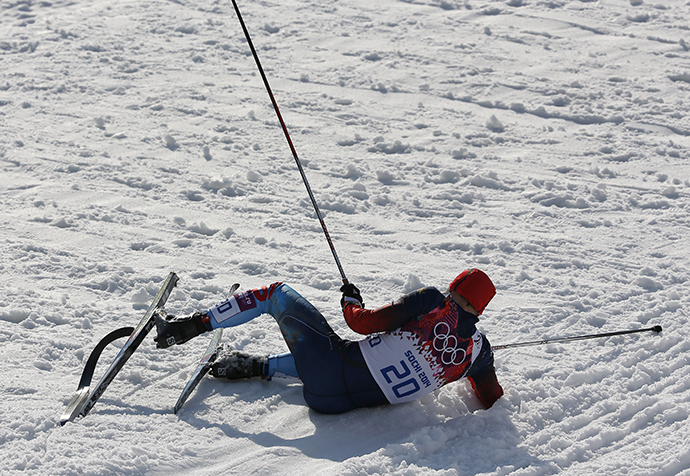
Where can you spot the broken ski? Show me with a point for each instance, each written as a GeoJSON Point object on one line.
{"type": "Point", "coordinates": [84, 398]}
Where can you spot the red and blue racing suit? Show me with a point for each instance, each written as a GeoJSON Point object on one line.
{"type": "Point", "coordinates": [415, 345]}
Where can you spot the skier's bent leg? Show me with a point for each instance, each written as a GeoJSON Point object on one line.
{"type": "Point", "coordinates": [241, 308]}
{"type": "Point", "coordinates": [335, 377]}
{"type": "Point", "coordinates": [235, 311]}
{"type": "Point", "coordinates": [333, 372]}
{"type": "Point", "coordinates": [274, 300]}
{"type": "Point", "coordinates": [278, 300]}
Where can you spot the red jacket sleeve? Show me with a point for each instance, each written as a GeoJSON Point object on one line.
{"type": "Point", "coordinates": [486, 387]}
{"type": "Point", "coordinates": [390, 317]}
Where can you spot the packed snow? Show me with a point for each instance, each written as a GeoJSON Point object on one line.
{"type": "Point", "coordinates": [544, 141]}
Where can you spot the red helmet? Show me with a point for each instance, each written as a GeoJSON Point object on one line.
{"type": "Point", "coordinates": [475, 286]}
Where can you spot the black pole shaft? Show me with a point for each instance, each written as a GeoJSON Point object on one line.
{"type": "Point", "coordinates": [656, 329]}
{"type": "Point", "coordinates": [289, 140]}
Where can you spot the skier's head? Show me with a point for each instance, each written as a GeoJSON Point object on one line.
{"type": "Point", "coordinates": [475, 286]}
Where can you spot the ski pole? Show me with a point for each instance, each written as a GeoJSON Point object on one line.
{"type": "Point", "coordinates": [656, 329]}
{"type": "Point", "coordinates": [289, 140]}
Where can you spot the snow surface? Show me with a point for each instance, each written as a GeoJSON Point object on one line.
{"type": "Point", "coordinates": [544, 141]}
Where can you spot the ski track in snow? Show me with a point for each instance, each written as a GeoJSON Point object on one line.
{"type": "Point", "coordinates": [545, 142]}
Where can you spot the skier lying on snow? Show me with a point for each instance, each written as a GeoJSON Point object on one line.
{"type": "Point", "coordinates": [417, 344]}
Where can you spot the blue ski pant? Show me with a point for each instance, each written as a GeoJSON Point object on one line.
{"type": "Point", "coordinates": [334, 374]}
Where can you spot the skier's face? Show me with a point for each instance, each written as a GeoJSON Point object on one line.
{"type": "Point", "coordinates": [463, 303]}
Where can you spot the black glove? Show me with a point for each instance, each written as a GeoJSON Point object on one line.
{"type": "Point", "coordinates": [350, 292]}
{"type": "Point", "coordinates": [178, 330]}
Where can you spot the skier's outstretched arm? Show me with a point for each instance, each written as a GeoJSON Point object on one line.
{"type": "Point", "coordinates": [389, 317]}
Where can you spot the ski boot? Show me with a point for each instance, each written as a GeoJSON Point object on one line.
{"type": "Point", "coordinates": [233, 365]}
{"type": "Point", "coordinates": [178, 330]}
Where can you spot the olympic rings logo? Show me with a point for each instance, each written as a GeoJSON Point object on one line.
{"type": "Point", "coordinates": [447, 345]}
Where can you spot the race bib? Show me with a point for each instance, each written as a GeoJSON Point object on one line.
{"type": "Point", "coordinates": [407, 367]}
{"type": "Point", "coordinates": [233, 306]}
